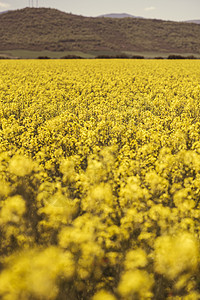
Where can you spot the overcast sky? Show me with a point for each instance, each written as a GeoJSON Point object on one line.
{"type": "Point", "coordinates": [177, 10]}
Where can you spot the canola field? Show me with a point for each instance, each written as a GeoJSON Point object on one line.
{"type": "Point", "coordinates": [99, 180]}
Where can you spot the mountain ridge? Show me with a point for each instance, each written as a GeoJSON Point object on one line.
{"type": "Point", "coordinates": [193, 21]}
{"type": "Point", "coordinates": [118, 16]}
{"type": "Point", "coordinates": [49, 29]}
{"type": "Point", "coordinates": [125, 15]}
{"type": "Point", "coordinates": [121, 16]}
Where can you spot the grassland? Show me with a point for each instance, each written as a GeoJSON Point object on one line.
{"type": "Point", "coordinates": [29, 54]}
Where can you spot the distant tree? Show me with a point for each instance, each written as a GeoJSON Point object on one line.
{"type": "Point", "coordinates": [103, 56]}
{"type": "Point", "coordinates": [176, 57]}
{"type": "Point", "coordinates": [191, 57]}
{"type": "Point", "coordinates": [43, 57]}
{"type": "Point", "coordinates": [120, 56]}
{"type": "Point", "coordinates": [71, 56]}
{"type": "Point", "coordinates": [137, 57]}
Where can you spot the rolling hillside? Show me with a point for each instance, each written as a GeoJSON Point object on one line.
{"type": "Point", "coordinates": [48, 29]}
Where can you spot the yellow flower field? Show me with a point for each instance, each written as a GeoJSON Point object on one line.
{"type": "Point", "coordinates": [99, 179]}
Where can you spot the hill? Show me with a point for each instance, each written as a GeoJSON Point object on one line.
{"type": "Point", "coordinates": [48, 29]}
{"type": "Point", "coordinates": [118, 16]}
{"type": "Point", "coordinates": [194, 21]}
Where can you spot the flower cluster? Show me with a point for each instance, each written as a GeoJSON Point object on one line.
{"type": "Point", "coordinates": [99, 179]}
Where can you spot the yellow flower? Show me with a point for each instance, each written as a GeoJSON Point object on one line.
{"type": "Point", "coordinates": [21, 166]}
{"type": "Point", "coordinates": [136, 283]}
{"type": "Point", "coordinates": [103, 295]}
{"type": "Point", "coordinates": [176, 254]}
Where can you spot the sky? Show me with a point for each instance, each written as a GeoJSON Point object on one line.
{"type": "Point", "coordinates": [175, 10]}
